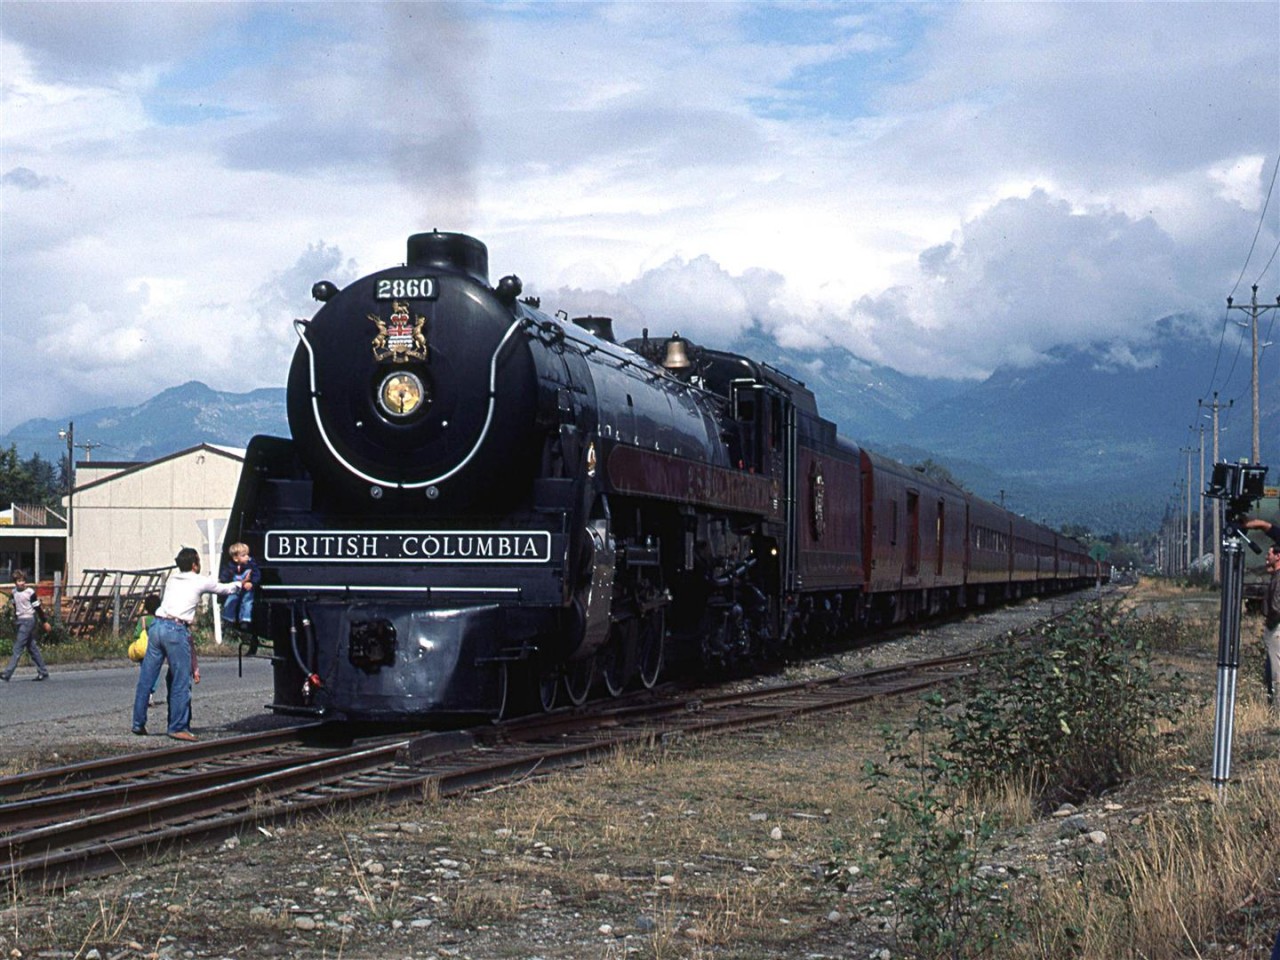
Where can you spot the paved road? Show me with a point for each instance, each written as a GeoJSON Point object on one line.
{"type": "Point", "coordinates": [92, 703]}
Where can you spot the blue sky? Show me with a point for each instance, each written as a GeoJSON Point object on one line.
{"type": "Point", "coordinates": [942, 188]}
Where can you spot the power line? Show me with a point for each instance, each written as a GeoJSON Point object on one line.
{"type": "Point", "coordinates": [1270, 260]}
{"type": "Point", "coordinates": [1226, 318]}
{"type": "Point", "coordinates": [1261, 220]}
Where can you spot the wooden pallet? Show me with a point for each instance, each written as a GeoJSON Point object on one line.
{"type": "Point", "coordinates": [111, 599]}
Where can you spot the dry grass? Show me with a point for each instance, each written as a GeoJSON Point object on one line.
{"type": "Point", "coordinates": [1196, 872]}
{"type": "Point", "coordinates": [710, 849]}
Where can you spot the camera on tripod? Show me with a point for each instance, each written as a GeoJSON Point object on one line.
{"type": "Point", "coordinates": [1239, 485]}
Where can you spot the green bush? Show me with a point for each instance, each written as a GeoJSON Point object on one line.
{"type": "Point", "coordinates": [1071, 711]}
{"type": "Point", "coordinates": [1068, 711]}
{"type": "Point", "coordinates": [933, 852]}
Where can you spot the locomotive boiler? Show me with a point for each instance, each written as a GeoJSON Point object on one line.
{"type": "Point", "coordinates": [485, 509]}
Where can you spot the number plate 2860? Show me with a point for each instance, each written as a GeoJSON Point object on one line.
{"type": "Point", "coordinates": [405, 288]}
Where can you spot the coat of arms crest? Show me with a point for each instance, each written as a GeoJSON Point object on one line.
{"type": "Point", "coordinates": [400, 338]}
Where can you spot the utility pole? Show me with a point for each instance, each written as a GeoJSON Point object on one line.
{"type": "Point", "coordinates": [1200, 498]}
{"type": "Point", "coordinates": [1255, 311]}
{"type": "Point", "coordinates": [69, 435]}
{"type": "Point", "coordinates": [88, 447]}
{"type": "Point", "coordinates": [1188, 452]}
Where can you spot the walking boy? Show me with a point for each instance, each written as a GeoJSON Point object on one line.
{"type": "Point", "coordinates": [26, 607]}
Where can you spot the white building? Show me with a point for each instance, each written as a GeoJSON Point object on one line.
{"type": "Point", "coordinates": [137, 516]}
{"type": "Point", "coordinates": [32, 538]}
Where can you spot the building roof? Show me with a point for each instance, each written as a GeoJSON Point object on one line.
{"type": "Point", "coordinates": [231, 453]}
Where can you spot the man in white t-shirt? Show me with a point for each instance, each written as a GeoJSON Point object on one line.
{"type": "Point", "coordinates": [169, 638]}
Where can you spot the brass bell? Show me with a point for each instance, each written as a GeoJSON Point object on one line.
{"type": "Point", "coordinates": [677, 357]}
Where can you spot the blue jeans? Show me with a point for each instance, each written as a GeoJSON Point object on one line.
{"type": "Point", "coordinates": [238, 606]}
{"type": "Point", "coordinates": [26, 641]}
{"type": "Point", "coordinates": [166, 640]}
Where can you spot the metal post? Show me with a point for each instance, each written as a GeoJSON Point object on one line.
{"type": "Point", "coordinates": [1228, 656]}
{"type": "Point", "coordinates": [115, 605]}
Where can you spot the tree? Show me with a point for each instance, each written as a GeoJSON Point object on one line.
{"type": "Point", "coordinates": [33, 480]}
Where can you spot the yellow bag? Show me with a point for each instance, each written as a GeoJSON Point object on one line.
{"type": "Point", "coordinates": [138, 649]}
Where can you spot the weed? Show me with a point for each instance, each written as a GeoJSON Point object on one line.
{"type": "Point", "coordinates": [473, 904]}
{"type": "Point", "coordinates": [1072, 713]}
{"type": "Point", "coordinates": [933, 851]}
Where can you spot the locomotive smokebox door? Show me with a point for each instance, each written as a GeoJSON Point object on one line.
{"type": "Point", "coordinates": [372, 644]}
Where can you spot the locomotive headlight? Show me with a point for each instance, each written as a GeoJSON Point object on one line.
{"type": "Point", "coordinates": [401, 394]}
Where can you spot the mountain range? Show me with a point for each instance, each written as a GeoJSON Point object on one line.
{"type": "Point", "coordinates": [1091, 436]}
{"type": "Point", "coordinates": [1083, 438]}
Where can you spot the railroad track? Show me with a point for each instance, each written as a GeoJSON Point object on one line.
{"type": "Point", "coordinates": [64, 824]}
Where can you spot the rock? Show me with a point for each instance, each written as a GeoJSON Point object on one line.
{"type": "Point", "coordinates": [835, 916]}
{"type": "Point", "coordinates": [605, 928]}
{"type": "Point", "coordinates": [1097, 836]}
{"type": "Point", "coordinates": [645, 924]}
{"type": "Point", "coordinates": [775, 833]}
{"type": "Point", "coordinates": [1072, 825]}
{"type": "Point", "coordinates": [759, 817]}
{"type": "Point", "coordinates": [304, 923]}
{"type": "Point", "coordinates": [667, 880]}
{"type": "Point", "coordinates": [1066, 810]}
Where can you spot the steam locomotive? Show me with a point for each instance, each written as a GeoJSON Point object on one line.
{"type": "Point", "coordinates": [485, 509]}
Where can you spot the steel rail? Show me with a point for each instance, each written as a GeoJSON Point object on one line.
{"type": "Point", "coordinates": [60, 851]}
{"type": "Point", "coordinates": [54, 779]}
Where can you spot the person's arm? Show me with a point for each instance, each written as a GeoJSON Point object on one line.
{"type": "Point", "coordinates": [221, 589]}
{"type": "Point", "coordinates": [38, 609]}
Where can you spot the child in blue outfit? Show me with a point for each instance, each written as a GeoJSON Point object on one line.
{"type": "Point", "coordinates": [237, 609]}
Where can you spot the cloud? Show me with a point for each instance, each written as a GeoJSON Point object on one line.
{"type": "Point", "coordinates": [1026, 276]}
{"type": "Point", "coordinates": [25, 178]}
{"type": "Point", "coordinates": [941, 188]}
{"type": "Point", "coordinates": [100, 43]}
